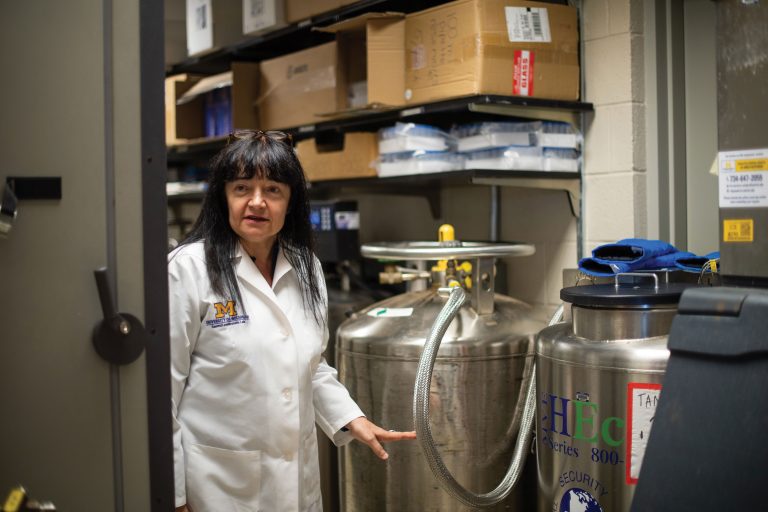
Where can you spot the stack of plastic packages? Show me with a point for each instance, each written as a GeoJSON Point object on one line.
{"type": "Point", "coordinates": [409, 148]}
{"type": "Point", "coordinates": [524, 146]}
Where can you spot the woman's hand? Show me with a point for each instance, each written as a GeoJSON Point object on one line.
{"type": "Point", "coordinates": [372, 435]}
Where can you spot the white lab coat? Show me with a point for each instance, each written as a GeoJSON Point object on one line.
{"type": "Point", "coordinates": [248, 385]}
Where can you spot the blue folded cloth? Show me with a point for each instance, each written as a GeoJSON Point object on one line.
{"type": "Point", "coordinates": [697, 263]}
{"type": "Point", "coordinates": [632, 250]}
{"type": "Point", "coordinates": [634, 254]}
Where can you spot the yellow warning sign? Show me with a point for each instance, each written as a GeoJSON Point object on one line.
{"type": "Point", "coordinates": [752, 165]}
{"type": "Point", "coordinates": [738, 230]}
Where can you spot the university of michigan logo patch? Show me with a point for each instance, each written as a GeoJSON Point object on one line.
{"type": "Point", "coordinates": [225, 313]}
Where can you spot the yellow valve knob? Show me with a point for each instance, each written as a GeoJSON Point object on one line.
{"type": "Point", "coordinates": [441, 266]}
{"type": "Point", "coordinates": [446, 233]}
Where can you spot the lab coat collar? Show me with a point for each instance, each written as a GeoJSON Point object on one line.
{"type": "Point", "coordinates": [250, 274]}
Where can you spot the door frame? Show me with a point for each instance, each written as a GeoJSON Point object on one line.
{"type": "Point", "coordinates": [155, 234]}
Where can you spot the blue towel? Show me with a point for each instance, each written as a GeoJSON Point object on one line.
{"type": "Point", "coordinates": [632, 250]}
{"type": "Point", "coordinates": [696, 263]}
{"type": "Point", "coordinates": [634, 254]}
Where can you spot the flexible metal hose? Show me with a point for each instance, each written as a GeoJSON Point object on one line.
{"type": "Point", "coordinates": [456, 299]}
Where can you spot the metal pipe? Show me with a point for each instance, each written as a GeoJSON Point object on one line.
{"type": "Point", "coordinates": [456, 299]}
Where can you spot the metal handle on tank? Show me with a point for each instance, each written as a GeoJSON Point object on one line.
{"type": "Point", "coordinates": [456, 299]}
{"type": "Point", "coordinates": [444, 250]}
{"type": "Point", "coordinates": [636, 274]}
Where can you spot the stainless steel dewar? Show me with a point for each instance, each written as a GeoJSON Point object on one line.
{"type": "Point", "coordinates": [479, 373]}
{"type": "Point", "coordinates": [598, 381]}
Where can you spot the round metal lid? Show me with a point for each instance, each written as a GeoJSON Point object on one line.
{"type": "Point", "coordinates": [444, 250]}
{"type": "Point", "coordinates": [624, 295]}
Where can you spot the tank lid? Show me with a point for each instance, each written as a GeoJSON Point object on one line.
{"type": "Point", "coordinates": [610, 295]}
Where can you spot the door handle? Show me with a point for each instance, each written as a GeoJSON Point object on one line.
{"type": "Point", "coordinates": [119, 338]}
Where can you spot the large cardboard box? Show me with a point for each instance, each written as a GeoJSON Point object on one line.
{"type": "Point", "coordinates": [508, 47]}
{"type": "Point", "coordinates": [296, 87]}
{"type": "Point", "coordinates": [185, 106]}
{"type": "Point", "coordinates": [213, 24]}
{"type": "Point", "coordinates": [354, 159]}
{"type": "Point", "coordinates": [371, 56]}
{"type": "Point", "coordinates": [298, 10]}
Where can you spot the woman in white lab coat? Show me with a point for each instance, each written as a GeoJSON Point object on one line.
{"type": "Point", "coordinates": [248, 326]}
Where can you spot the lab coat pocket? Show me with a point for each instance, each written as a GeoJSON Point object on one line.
{"type": "Point", "coordinates": [310, 473]}
{"type": "Point", "coordinates": [220, 479]}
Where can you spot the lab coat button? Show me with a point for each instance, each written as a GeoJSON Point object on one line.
{"type": "Point", "coordinates": [283, 333]}
{"type": "Point", "coordinates": [287, 395]}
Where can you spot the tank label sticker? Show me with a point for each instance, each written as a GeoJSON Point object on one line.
{"type": "Point", "coordinates": [743, 178]}
{"type": "Point", "coordinates": [642, 399]}
{"type": "Point", "coordinates": [576, 499]}
{"type": "Point", "coordinates": [390, 312]}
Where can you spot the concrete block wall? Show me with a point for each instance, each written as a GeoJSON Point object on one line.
{"type": "Point", "coordinates": [614, 153]}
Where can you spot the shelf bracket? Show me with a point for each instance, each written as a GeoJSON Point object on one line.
{"type": "Point", "coordinates": [572, 187]}
{"type": "Point", "coordinates": [525, 112]}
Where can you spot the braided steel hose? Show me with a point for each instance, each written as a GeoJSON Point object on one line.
{"type": "Point", "coordinates": [456, 299]}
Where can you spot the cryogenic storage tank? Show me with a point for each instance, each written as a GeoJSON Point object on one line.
{"type": "Point", "coordinates": [479, 373]}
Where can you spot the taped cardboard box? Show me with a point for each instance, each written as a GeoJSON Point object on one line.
{"type": "Point", "coordinates": [213, 24]}
{"type": "Point", "coordinates": [296, 87]}
{"type": "Point", "coordinates": [298, 10]}
{"type": "Point", "coordinates": [371, 57]}
{"type": "Point", "coordinates": [185, 109]}
{"type": "Point", "coordinates": [355, 159]}
{"type": "Point", "coordinates": [508, 47]}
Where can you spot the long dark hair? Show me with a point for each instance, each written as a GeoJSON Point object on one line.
{"type": "Point", "coordinates": [266, 155]}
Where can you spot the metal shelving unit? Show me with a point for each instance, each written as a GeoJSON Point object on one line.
{"type": "Point", "coordinates": [291, 38]}
{"type": "Point", "coordinates": [444, 113]}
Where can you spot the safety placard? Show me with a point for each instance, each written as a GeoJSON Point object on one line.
{"type": "Point", "coordinates": [743, 177]}
{"type": "Point", "coordinates": [738, 230]}
{"type": "Point", "coordinates": [642, 399]}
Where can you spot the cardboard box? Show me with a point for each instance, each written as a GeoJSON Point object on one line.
{"type": "Point", "coordinates": [184, 121]}
{"type": "Point", "coordinates": [508, 47]}
{"type": "Point", "coordinates": [213, 24]}
{"type": "Point", "coordinates": [185, 101]}
{"type": "Point", "coordinates": [295, 87]}
{"type": "Point", "coordinates": [298, 10]}
{"type": "Point", "coordinates": [354, 160]}
{"type": "Point", "coordinates": [371, 56]}
{"type": "Point", "coordinates": [261, 16]}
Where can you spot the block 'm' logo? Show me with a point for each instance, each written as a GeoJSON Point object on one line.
{"type": "Point", "coordinates": [225, 309]}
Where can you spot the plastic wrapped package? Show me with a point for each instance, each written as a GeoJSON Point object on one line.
{"type": "Point", "coordinates": [477, 136]}
{"type": "Point", "coordinates": [554, 134]}
{"type": "Point", "coordinates": [519, 158]}
{"type": "Point", "coordinates": [405, 137]}
{"type": "Point", "coordinates": [560, 159]}
{"type": "Point", "coordinates": [418, 162]}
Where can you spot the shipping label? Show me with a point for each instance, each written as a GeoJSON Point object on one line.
{"type": "Point", "coordinates": [528, 25]}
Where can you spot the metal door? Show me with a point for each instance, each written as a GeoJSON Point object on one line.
{"type": "Point", "coordinates": [81, 91]}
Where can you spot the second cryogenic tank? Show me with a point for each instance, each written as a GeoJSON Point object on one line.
{"type": "Point", "coordinates": [481, 368]}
